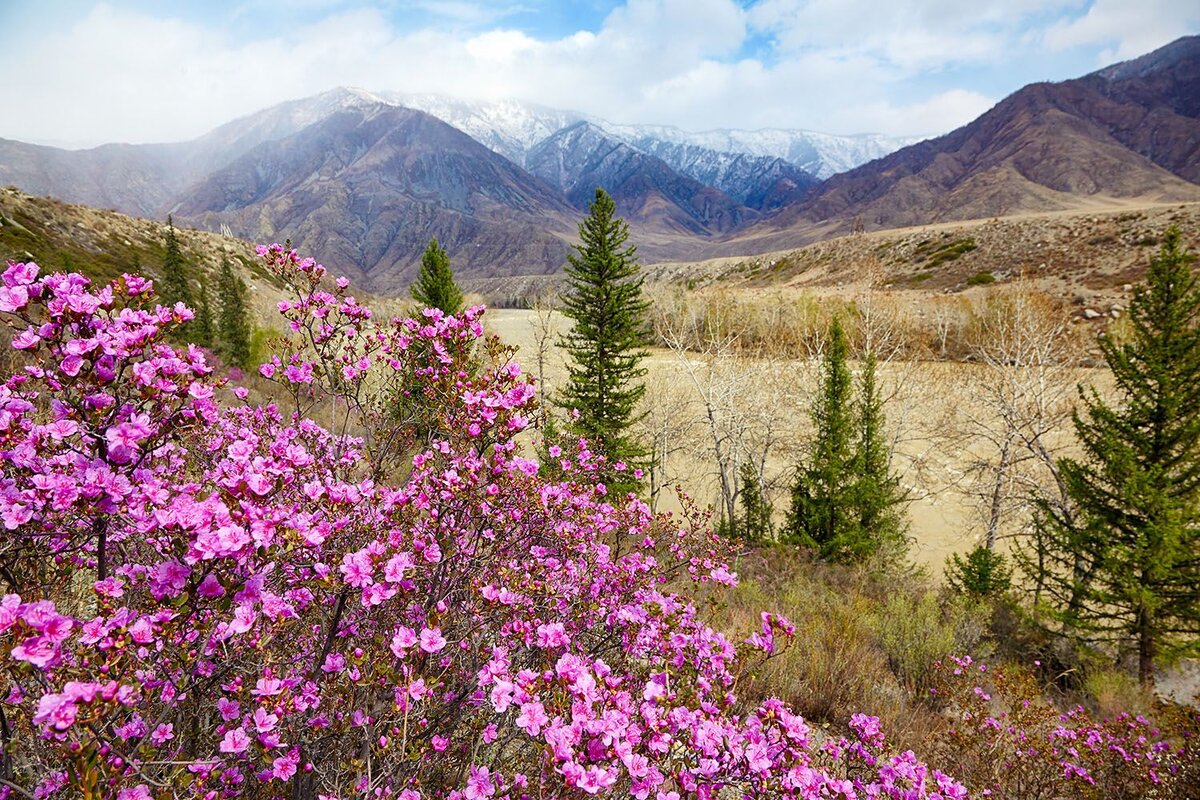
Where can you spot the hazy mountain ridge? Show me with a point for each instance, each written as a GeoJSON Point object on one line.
{"type": "Point", "coordinates": [363, 180]}
{"type": "Point", "coordinates": [513, 128]}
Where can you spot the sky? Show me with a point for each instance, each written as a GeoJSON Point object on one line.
{"type": "Point", "coordinates": [80, 73]}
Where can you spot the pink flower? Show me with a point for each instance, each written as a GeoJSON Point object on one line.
{"type": "Point", "coordinates": [284, 767]}
{"type": "Point", "coordinates": [235, 741]}
{"type": "Point", "coordinates": [210, 587]}
{"type": "Point", "coordinates": [20, 274]}
{"type": "Point", "coordinates": [264, 721]}
{"type": "Point", "coordinates": [26, 340]}
{"type": "Point", "coordinates": [552, 634]}
{"type": "Point", "coordinates": [162, 734]}
{"type": "Point", "coordinates": [532, 718]}
{"type": "Point", "coordinates": [479, 784]}
{"type": "Point", "coordinates": [13, 298]}
{"type": "Point", "coordinates": [40, 651]}
{"type": "Point", "coordinates": [56, 711]}
{"type": "Point", "coordinates": [9, 611]}
{"type": "Point", "coordinates": [403, 639]}
{"type": "Point", "coordinates": [432, 640]}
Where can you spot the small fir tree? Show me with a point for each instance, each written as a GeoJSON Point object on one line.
{"type": "Point", "coordinates": [846, 502]}
{"type": "Point", "coordinates": [233, 321]}
{"type": "Point", "coordinates": [176, 288]}
{"type": "Point", "coordinates": [435, 286]}
{"type": "Point", "coordinates": [202, 326]}
{"type": "Point", "coordinates": [606, 343]}
{"type": "Point", "coordinates": [982, 575]}
{"type": "Point", "coordinates": [755, 524]}
{"type": "Point", "coordinates": [1125, 566]}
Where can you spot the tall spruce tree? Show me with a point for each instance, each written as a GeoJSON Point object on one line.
{"type": "Point", "coordinates": [607, 342]}
{"type": "Point", "coordinates": [879, 497]}
{"type": "Point", "coordinates": [176, 287]}
{"type": "Point", "coordinates": [823, 515]}
{"type": "Point", "coordinates": [1125, 565]}
{"type": "Point", "coordinates": [846, 502]}
{"type": "Point", "coordinates": [435, 286]}
{"type": "Point", "coordinates": [233, 319]}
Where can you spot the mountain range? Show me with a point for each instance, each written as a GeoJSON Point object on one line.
{"type": "Point", "coordinates": [362, 180]}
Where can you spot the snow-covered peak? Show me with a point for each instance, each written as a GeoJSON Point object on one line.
{"type": "Point", "coordinates": [280, 121]}
{"type": "Point", "coordinates": [819, 154]}
{"type": "Point", "coordinates": [508, 127]}
{"type": "Point", "coordinates": [513, 128]}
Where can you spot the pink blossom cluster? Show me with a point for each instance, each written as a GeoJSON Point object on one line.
{"type": "Point", "coordinates": [215, 598]}
{"type": "Point", "coordinates": [1027, 746]}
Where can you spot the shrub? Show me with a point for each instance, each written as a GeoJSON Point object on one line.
{"type": "Point", "coordinates": [982, 278]}
{"type": "Point", "coordinates": [917, 631]}
{"type": "Point", "coordinates": [1012, 743]}
{"type": "Point", "coordinates": [936, 256]}
{"type": "Point", "coordinates": [230, 600]}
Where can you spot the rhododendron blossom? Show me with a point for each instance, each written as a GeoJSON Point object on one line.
{"type": "Point", "coordinates": [233, 599]}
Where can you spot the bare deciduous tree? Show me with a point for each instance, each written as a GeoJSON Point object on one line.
{"type": "Point", "coordinates": [746, 401]}
{"type": "Point", "coordinates": [1017, 425]}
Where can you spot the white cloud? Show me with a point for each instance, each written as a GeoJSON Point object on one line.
{"type": "Point", "coordinates": [942, 112]}
{"type": "Point", "coordinates": [909, 35]}
{"type": "Point", "coordinates": [1126, 30]}
{"type": "Point", "coordinates": [837, 65]}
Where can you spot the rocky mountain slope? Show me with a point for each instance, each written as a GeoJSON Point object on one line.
{"type": "Point", "coordinates": [363, 180]}
{"type": "Point", "coordinates": [513, 128]}
{"type": "Point", "coordinates": [366, 188]}
{"type": "Point", "coordinates": [1129, 132]}
{"type": "Point", "coordinates": [1088, 257]}
{"type": "Point", "coordinates": [648, 193]}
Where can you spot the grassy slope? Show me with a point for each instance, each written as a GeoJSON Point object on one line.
{"type": "Point", "coordinates": [104, 244]}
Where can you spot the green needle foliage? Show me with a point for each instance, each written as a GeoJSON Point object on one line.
{"type": "Point", "coordinates": [845, 501]}
{"type": "Point", "coordinates": [202, 325]}
{"type": "Point", "coordinates": [822, 515]}
{"type": "Point", "coordinates": [606, 344]}
{"type": "Point", "coordinates": [879, 496]}
{"type": "Point", "coordinates": [175, 286]}
{"type": "Point", "coordinates": [983, 574]}
{"type": "Point", "coordinates": [233, 322]}
{"type": "Point", "coordinates": [1125, 566]}
{"type": "Point", "coordinates": [435, 286]}
{"type": "Point", "coordinates": [755, 522]}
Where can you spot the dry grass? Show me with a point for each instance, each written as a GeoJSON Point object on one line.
{"type": "Point", "coordinates": [896, 325]}
{"type": "Point", "coordinates": [837, 663]}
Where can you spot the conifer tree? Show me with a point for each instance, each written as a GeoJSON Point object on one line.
{"type": "Point", "coordinates": [435, 286]}
{"type": "Point", "coordinates": [822, 515]}
{"type": "Point", "coordinates": [201, 328]}
{"type": "Point", "coordinates": [1125, 565]}
{"type": "Point", "coordinates": [176, 288]}
{"type": "Point", "coordinates": [879, 497]}
{"type": "Point", "coordinates": [606, 343]}
{"type": "Point", "coordinates": [233, 320]}
{"type": "Point", "coordinates": [755, 523]}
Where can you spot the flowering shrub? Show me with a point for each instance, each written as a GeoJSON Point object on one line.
{"type": "Point", "coordinates": [1010, 743]}
{"type": "Point", "coordinates": [211, 598]}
